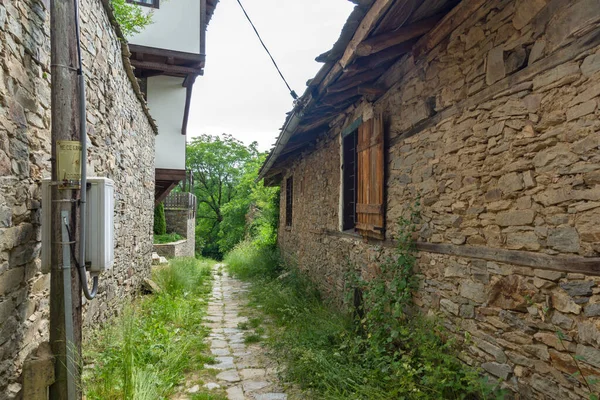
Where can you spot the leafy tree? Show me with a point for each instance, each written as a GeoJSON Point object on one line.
{"type": "Point", "coordinates": [130, 17]}
{"type": "Point", "coordinates": [224, 170]}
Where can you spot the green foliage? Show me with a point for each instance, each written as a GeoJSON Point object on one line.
{"type": "Point", "coordinates": [145, 353]}
{"type": "Point", "coordinates": [249, 260]}
{"type": "Point", "coordinates": [588, 381]}
{"type": "Point", "coordinates": [131, 17]}
{"type": "Point", "coordinates": [160, 222]}
{"type": "Point", "coordinates": [167, 238]}
{"type": "Point", "coordinates": [381, 351]}
{"type": "Point", "coordinates": [225, 172]}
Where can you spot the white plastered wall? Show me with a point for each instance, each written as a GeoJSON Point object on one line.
{"type": "Point", "coordinates": [175, 26]}
{"type": "Point", "coordinates": [166, 100]}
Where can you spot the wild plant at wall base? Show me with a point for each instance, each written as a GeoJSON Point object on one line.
{"type": "Point", "coordinates": [404, 350]}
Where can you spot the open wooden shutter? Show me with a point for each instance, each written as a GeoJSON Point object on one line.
{"type": "Point", "coordinates": [370, 207]}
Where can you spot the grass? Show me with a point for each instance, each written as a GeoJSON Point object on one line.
{"type": "Point", "coordinates": [330, 355]}
{"type": "Point", "coordinates": [145, 353]}
{"type": "Point", "coordinates": [167, 238]}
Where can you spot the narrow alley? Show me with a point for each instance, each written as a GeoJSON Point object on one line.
{"type": "Point", "coordinates": [247, 370]}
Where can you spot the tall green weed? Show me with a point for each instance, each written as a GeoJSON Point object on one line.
{"type": "Point", "coordinates": [382, 350]}
{"type": "Point", "coordinates": [250, 259]}
{"type": "Point", "coordinates": [146, 352]}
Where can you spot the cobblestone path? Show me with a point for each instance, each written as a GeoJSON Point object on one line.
{"type": "Point", "coordinates": [246, 370]}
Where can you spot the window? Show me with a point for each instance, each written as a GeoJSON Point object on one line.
{"type": "Point", "coordinates": [350, 182]}
{"type": "Point", "coordinates": [363, 179]}
{"type": "Point", "coordinates": [289, 200]}
{"type": "Point", "coordinates": [147, 3]}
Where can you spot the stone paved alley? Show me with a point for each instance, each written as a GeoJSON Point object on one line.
{"type": "Point", "coordinates": [246, 369]}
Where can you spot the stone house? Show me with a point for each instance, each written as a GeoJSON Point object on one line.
{"type": "Point", "coordinates": [488, 112]}
{"type": "Point", "coordinates": [121, 146]}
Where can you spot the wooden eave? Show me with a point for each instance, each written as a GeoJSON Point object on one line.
{"type": "Point", "coordinates": [165, 180]}
{"type": "Point", "coordinates": [150, 61]}
{"type": "Point", "coordinates": [378, 36]}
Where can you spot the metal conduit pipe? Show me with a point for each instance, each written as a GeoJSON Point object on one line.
{"type": "Point", "coordinates": [83, 196]}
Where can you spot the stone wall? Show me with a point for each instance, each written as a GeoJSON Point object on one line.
{"type": "Point", "coordinates": [174, 249]}
{"type": "Point", "coordinates": [497, 131]}
{"type": "Point", "coordinates": [182, 222]}
{"type": "Point", "coordinates": [121, 147]}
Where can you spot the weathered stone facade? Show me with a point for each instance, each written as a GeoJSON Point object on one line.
{"type": "Point", "coordinates": [121, 147]}
{"type": "Point", "coordinates": [497, 131]}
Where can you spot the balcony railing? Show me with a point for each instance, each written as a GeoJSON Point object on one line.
{"type": "Point", "coordinates": [182, 201]}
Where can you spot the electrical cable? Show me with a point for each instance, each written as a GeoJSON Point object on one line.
{"type": "Point", "coordinates": [292, 92]}
{"type": "Point", "coordinates": [89, 295]}
{"type": "Point", "coordinates": [83, 192]}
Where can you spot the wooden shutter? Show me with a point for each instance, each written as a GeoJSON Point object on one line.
{"type": "Point", "coordinates": [370, 207]}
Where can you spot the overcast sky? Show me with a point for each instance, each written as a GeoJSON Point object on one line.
{"type": "Point", "coordinates": [241, 92]}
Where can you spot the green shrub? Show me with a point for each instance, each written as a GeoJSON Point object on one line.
{"type": "Point", "coordinates": [184, 275]}
{"type": "Point", "coordinates": [146, 352]}
{"type": "Point", "coordinates": [381, 350]}
{"type": "Point", "coordinates": [160, 222]}
{"type": "Point", "coordinates": [250, 260]}
{"type": "Point", "coordinates": [167, 238]}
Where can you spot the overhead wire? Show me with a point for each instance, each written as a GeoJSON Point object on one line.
{"type": "Point", "coordinates": [292, 92]}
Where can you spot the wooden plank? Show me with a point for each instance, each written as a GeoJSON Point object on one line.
{"type": "Point", "coordinates": [517, 257]}
{"type": "Point", "coordinates": [364, 29]}
{"type": "Point", "coordinates": [446, 26]}
{"type": "Point", "coordinates": [574, 264]}
{"type": "Point", "coordinates": [380, 58]}
{"type": "Point", "coordinates": [370, 195]}
{"type": "Point", "coordinates": [396, 17]}
{"type": "Point", "coordinates": [356, 80]}
{"type": "Point", "coordinates": [386, 40]}
{"type": "Point", "coordinates": [339, 100]}
{"type": "Point", "coordinates": [369, 227]}
{"type": "Point", "coordinates": [172, 69]}
{"type": "Point", "coordinates": [369, 208]}
{"type": "Point", "coordinates": [179, 55]}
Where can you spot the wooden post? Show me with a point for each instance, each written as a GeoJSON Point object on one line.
{"type": "Point", "coordinates": [65, 126]}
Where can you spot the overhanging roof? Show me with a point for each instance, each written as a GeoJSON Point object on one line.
{"type": "Point", "coordinates": [378, 35]}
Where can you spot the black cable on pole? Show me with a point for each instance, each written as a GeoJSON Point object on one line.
{"type": "Point", "coordinates": [293, 93]}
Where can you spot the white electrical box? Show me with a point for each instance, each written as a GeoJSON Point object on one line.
{"type": "Point", "coordinates": [99, 249]}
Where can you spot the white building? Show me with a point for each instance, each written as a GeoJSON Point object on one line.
{"type": "Point", "coordinates": [168, 55]}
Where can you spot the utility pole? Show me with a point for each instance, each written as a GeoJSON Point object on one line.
{"type": "Point", "coordinates": [65, 291]}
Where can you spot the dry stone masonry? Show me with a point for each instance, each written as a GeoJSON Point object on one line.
{"type": "Point", "coordinates": [497, 130]}
{"type": "Point", "coordinates": [121, 147]}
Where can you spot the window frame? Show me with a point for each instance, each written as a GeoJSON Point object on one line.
{"type": "Point", "coordinates": [155, 3]}
{"type": "Point", "coordinates": [289, 201]}
{"type": "Point", "coordinates": [349, 171]}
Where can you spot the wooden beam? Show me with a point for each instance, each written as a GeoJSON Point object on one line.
{"type": "Point", "coordinates": [318, 123]}
{"type": "Point", "coordinates": [364, 29]}
{"type": "Point", "coordinates": [162, 174]}
{"type": "Point", "coordinates": [356, 80]}
{"type": "Point", "coordinates": [180, 55]}
{"type": "Point", "coordinates": [188, 83]}
{"type": "Point", "coordinates": [159, 197]}
{"type": "Point", "coordinates": [340, 100]}
{"type": "Point", "coordinates": [576, 264]}
{"type": "Point", "coordinates": [171, 69]}
{"type": "Point", "coordinates": [380, 58]}
{"type": "Point", "coordinates": [447, 25]}
{"type": "Point", "coordinates": [386, 40]}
